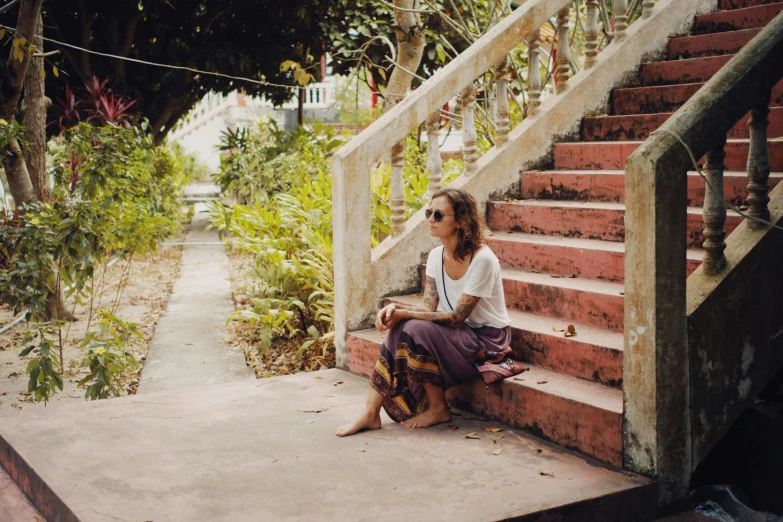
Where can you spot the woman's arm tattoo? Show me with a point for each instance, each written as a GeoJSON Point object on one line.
{"type": "Point", "coordinates": [453, 319]}
{"type": "Point", "coordinates": [430, 302]}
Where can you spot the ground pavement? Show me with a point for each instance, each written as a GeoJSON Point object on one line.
{"type": "Point", "coordinates": [186, 349]}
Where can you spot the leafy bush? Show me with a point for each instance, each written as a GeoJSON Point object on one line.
{"type": "Point", "coordinates": [260, 163]}
{"type": "Point", "coordinates": [115, 196]}
{"type": "Point", "coordinates": [108, 358]}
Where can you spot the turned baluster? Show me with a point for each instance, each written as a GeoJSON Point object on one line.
{"type": "Point", "coordinates": [502, 111]}
{"type": "Point", "coordinates": [469, 136]}
{"type": "Point", "coordinates": [647, 8]}
{"type": "Point", "coordinates": [397, 190]}
{"type": "Point", "coordinates": [591, 34]}
{"type": "Point", "coordinates": [714, 211]}
{"type": "Point", "coordinates": [563, 71]}
{"type": "Point", "coordinates": [620, 19]}
{"type": "Point", "coordinates": [534, 73]}
{"type": "Point", "coordinates": [434, 163]}
{"type": "Point", "coordinates": [758, 165]}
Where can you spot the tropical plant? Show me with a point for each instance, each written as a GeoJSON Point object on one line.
{"type": "Point", "coordinates": [108, 358]}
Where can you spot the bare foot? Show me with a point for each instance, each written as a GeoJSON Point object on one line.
{"type": "Point", "coordinates": [430, 417]}
{"type": "Point", "coordinates": [366, 421]}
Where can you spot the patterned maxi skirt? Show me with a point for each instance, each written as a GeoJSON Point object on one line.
{"type": "Point", "coordinates": [417, 352]}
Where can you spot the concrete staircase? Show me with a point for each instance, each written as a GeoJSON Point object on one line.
{"type": "Point", "coordinates": [561, 247]}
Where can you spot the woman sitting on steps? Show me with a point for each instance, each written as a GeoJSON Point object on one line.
{"type": "Point", "coordinates": [428, 350]}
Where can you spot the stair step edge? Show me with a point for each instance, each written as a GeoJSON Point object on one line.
{"type": "Point", "coordinates": [561, 385]}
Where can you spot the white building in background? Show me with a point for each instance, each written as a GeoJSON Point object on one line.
{"type": "Point", "coordinates": [199, 132]}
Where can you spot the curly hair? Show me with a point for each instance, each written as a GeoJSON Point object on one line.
{"type": "Point", "coordinates": [469, 222]}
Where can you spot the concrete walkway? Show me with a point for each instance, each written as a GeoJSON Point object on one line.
{"type": "Point", "coordinates": [186, 350]}
{"type": "Point", "coordinates": [257, 450]}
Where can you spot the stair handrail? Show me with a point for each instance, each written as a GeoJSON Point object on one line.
{"type": "Point", "coordinates": [658, 374]}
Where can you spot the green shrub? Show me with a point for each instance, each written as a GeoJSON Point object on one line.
{"type": "Point", "coordinates": [115, 196]}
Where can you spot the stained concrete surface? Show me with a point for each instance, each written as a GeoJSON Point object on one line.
{"type": "Point", "coordinates": [186, 349]}
{"type": "Point", "coordinates": [247, 451]}
{"type": "Point", "coordinates": [14, 505]}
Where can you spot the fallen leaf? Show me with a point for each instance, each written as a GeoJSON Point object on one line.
{"type": "Point", "coordinates": [555, 276]}
{"type": "Point", "coordinates": [339, 382]}
{"type": "Point", "coordinates": [518, 379]}
{"type": "Point", "coordinates": [546, 473]}
{"type": "Point", "coordinates": [539, 450]}
{"type": "Point", "coordinates": [453, 427]}
{"type": "Point", "coordinates": [498, 451]}
{"type": "Point", "coordinates": [274, 461]}
{"type": "Point", "coordinates": [310, 422]}
{"type": "Point", "coordinates": [318, 377]}
{"type": "Point", "coordinates": [492, 429]}
{"type": "Point", "coordinates": [541, 382]}
{"type": "Point", "coordinates": [362, 450]}
{"type": "Point", "coordinates": [13, 374]}
{"type": "Point", "coordinates": [571, 331]}
{"type": "Point", "coordinates": [622, 293]}
{"type": "Point", "coordinates": [558, 329]}
{"type": "Point", "coordinates": [472, 435]}
{"type": "Point", "coordinates": [318, 410]}
{"type": "Point", "coordinates": [496, 439]}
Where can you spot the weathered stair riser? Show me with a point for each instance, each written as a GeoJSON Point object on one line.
{"type": "Point", "coordinates": [562, 252]}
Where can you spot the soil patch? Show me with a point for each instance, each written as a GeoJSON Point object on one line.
{"type": "Point", "coordinates": [143, 300]}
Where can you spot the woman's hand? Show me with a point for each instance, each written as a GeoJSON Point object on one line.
{"type": "Point", "coordinates": [384, 314]}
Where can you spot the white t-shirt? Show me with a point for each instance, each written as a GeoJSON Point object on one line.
{"type": "Point", "coordinates": [482, 279]}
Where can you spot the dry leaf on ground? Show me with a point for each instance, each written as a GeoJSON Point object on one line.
{"type": "Point", "coordinates": [339, 382]}
{"type": "Point", "coordinates": [558, 329]}
{"type": "Point", "coordinates": [622, 293]}
{"type": "Point", "coordinates": [539, 450]}
{"type": "Point", "coordinates": [453, 427]}
{"type": "Point", "coordinates": [492, 429]}
{"type": "Point", "coordinates": [498, 451]}
{"type": "Point", "coordinates": [318, 410]}
{"type": "Point", "coordinates": [541, 382]}
{"type": "Point", "coordinates": [546, 473]}
{"type": "Point", "coordinates": [496, 439]}
{"type": "Point", "coordinates": [570, 331]}
{"type": "Point", "coordinates": [362, 450]}
{"type": "Point", "coordinates": [472, 435]}
{"type": "Point", "coordinates": [318, 377]}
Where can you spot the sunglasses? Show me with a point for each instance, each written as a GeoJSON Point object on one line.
{"type": "Point", "coordinates": [438, 214]}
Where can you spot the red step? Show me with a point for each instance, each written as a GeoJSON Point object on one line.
{"type": "Point", "coordinates": [593, 353]}
{"type": "Point", "coordinates": [611, 155]}
{"type": "Point", "coordinates": [591, 302]}
{"type": "Point", "coordinates": [567, 257]}
{"type": "Point", "coordinates": [572, 412]}
{"type": "Point", "coordinates": [598, 304]}
{"type": "Point", "coordinates": [588, 220]}
{"type": "Point", "coordinates": [638, 127]}
{"type": "Point", "coordinates": [666, 98]}
{"type": "Point", "coordinates": [692, 70]}
{"type": "Point", "coordinates": [609, 186]}
{"type": "Point", "coordinates": [710, 44]}
{"type": "Point", "coordinates": [740, 4]}
{"type": "Point", "coordinates": [736, 19]}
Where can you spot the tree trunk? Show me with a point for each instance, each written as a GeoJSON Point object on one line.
{"type": "Point", "coordinates": [18, 178]}
{"type": "Point", "coordinates": [410, 48]}
{"type": "Point", "coordinates": [34, 120]}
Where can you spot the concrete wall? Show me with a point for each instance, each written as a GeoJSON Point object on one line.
{"type": "Point", "coordinates": [735, 329]}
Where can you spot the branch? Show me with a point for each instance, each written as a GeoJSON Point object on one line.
{"type": "Point", "coordinates": [8, 6]}
{"type": "Point", "coordinates": [404, 10]}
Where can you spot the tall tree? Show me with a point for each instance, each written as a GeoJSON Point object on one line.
{"type": "Point", "coordinates": [10, 91]}
{"type": "Point", "coordinates": [243, 38]}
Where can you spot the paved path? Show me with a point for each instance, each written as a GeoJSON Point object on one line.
{"type": "Point", "coordinates": [186, 350]}
{"type": "Point", "coordinates": [256, 450]}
